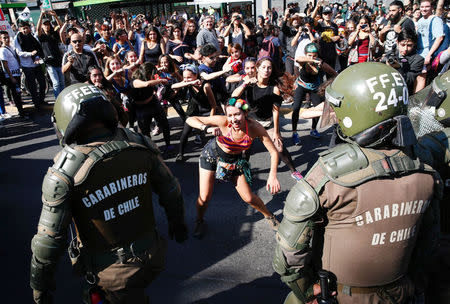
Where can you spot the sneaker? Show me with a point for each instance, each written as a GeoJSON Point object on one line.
{"type": "Point", "coordinates": [273, 222]}
{"type": "Point", "coordinates": [6, 115]}
{"type": "Point", "coordinates": [179, 158]}
{"type": "Point", "coordinates": [198, 140]}
{"type": "Point", "coordinates": [199, 229]}
{"type": "Point", "coordinates": [296, 139]}
{"type": "Point", "coordinates": [155, 131]}
{"type": "Point", "coordinates": [296, 175]}
{"type": "Point", "coordinates": [314, 134]}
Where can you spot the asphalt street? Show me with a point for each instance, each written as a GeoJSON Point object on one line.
{"type": "Point", "coordinates": [231, 264]}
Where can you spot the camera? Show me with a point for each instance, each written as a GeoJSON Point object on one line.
{"type": "Point", "coordinates": [363, 26]}
{"type": "Point", "coordinates": [392, 59]}
{"type": "Point", "coordinates": [304, 29]}
{"type": "Point", "coordinates": [291, 11]}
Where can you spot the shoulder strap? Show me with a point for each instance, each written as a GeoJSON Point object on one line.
{"type": "Point", "coordinates": [95, 152]}
{"type": "Point", "coordinates": [349, 165]}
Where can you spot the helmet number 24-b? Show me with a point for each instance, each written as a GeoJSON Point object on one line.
{"type": "Point", "coordinates": [392, 99]}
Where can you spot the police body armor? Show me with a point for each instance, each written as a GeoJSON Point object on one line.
{"type": "Point", "coordinates": [434, 149]}
{"type": "Point", "coordinates": [356, 234]}
{"type": "Point", "coordinates": [110, 208]}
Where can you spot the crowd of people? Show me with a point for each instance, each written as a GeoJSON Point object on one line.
{"type": "Point", "coordinates": [147, 66]}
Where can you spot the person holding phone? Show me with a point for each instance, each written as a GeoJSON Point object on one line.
{"type": "Point", "coordinates": [362, 42]}
{"type": "Point", "coordinates": [236, 31]}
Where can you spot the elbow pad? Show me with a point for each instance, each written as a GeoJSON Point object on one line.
{"type": "Point", "coordinates": [49, 242]}
{"type": "Point", "coordinates": [294, 237]}
{"type": "Point", "coordinates": [296, 228]}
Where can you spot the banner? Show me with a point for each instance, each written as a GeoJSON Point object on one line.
{"type": "Point", "coordinates": [46, 5]}
{"type": "Point", "coordinates": [4, 25]}
{"type": "Point", "coordinates": [24, 15]}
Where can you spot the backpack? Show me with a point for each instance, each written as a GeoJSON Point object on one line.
{"type": "Point", "coordinates": [268, 49]}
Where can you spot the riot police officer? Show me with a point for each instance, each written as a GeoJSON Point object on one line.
{"type": "Point", "coordinates": [367, 210]}
{"type": "Point", "coordinates": [429, 111]}
{"type": "Point", "coordinates": [103, 180]}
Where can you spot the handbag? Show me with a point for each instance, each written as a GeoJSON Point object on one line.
{"type": "Point", "coordinates": [353, 55]}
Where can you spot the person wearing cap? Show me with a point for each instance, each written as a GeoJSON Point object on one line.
{"type": "Point", "coordinates": [259, 29]}
{"type": "Point", "coordinates": [328, 31]}
{"type": "Point", "coordinates": [30, 52]}
{"type": "Point", "coordinates": [69, 28]}
{"type": "Point", "coordinates": [290, 27]}
{"type": "Point", "coordinates": [49, 40]}
{"type": "Point", "coordinates": [201, 101]}
{"type": "Point", "coordinates": [312, 70]}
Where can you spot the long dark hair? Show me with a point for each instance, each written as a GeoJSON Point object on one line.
{"type": "Point", "coordinates": [172, 66]}
{"type": "Point", "coordinates": [274, 76]}
{"type": "Point", "coordinates": [176, 27]}
{"type": "Point", "coordinates": [151, 28]}
{"type": "Point", "coordinates": [145, 72]}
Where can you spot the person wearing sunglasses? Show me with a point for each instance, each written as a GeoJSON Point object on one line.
{"type": "Point", "coordinates": [77, 61]}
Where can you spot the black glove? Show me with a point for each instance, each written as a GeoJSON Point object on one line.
{"type": "Point", "coordinates": [42, 297]}
{"type": "Point", "coordinates": [179, 230]}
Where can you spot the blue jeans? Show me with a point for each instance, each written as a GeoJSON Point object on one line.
{"type": "Point", "coordinates": [31, 76]}
{"type": "Point", "coordinates": [2, 101]}
{"type": "Point", "coordinates": [57, 78]}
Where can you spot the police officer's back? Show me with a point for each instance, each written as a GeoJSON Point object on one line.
{"type": "Point", "coordinates": [103, 180]}
{"type": "Point", "coordinates": [366, 211]}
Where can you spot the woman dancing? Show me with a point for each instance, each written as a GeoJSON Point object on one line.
{"type": "Point", "coordinates": [223, 158]}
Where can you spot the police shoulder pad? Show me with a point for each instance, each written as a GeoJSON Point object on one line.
{"type": "Point", "coordinates": [344, 164]}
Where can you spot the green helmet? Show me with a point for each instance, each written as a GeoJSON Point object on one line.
{"type": "Point", "coordinates": [366, 98]}
{"type": "Point", "coordinates": [434, 100]}
{"type": "Point", "coordinates": [78, 105]}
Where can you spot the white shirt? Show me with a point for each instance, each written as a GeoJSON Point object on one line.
{"type": "Point", "coordinates": [25, 57]}
{"type": "Point", "coordinates": [300, 51]}
{"type": "Point", "coordinates": [7, 54]}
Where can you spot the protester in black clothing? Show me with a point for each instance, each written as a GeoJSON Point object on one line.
{"type": "Point", "coordinates": [145, 102]}
{"type": "Point", "coordinates": [77, 61]}
{"type": "Point", "coordinates": [397, 22]}
{"type": "Point", "coordinates": [259, 30]}
{"type": "Point", "coordinates": [264, 97]}
{"type": "Point", "coordinates": [201, 101]}
{"type": "Point", "coordinates": [30, 53]}
{"type": "Point", "coordinates": [49, 39]}
{"type": "Point", "coordinates": [290, 28]}
{"type": "Point", "coordinates": [405, 59]}
{"type": "Point", "coordinates": [328, 31]}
